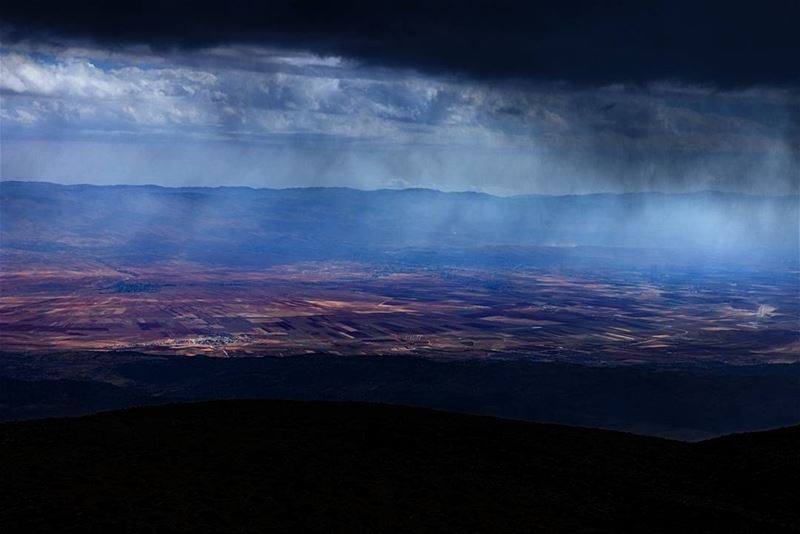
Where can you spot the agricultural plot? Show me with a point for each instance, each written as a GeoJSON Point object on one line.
{"type": "Point", "coordinates": [578, 315]}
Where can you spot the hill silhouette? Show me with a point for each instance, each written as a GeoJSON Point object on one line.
{"type": "Point", "coordinates": [688, 403]}
{"type": "Point", "coordinates": [279, 466]}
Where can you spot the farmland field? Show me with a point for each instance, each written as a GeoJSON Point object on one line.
{"type": "Point", "coordinates": [577, 315]}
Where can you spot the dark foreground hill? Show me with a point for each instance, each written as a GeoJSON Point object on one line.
{"type": "Point", "coordinates": [690, 403]}
{"type": "Point", "coordinates": [277, 466]}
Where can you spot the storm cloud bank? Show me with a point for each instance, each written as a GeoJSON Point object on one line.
{"type": "Point", "coordinates": [503, 97]}
{"type": "Point", "coordinates": [727, 44]}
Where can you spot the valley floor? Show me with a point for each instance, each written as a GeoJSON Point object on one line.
{"type": "Point", "coordinates": [580, 314]}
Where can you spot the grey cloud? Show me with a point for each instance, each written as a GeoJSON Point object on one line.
{"type": "Point", "coordinates": [347, 122]}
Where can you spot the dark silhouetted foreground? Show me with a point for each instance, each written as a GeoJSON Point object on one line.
{"type": "Point", "coordinates": [688, 403]}
{"type": "Point", "coordinates": [277, 466]}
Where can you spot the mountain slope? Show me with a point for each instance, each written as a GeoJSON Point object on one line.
{"type": "Point", "coordinates": [686, 403]}
{"type": "Point", "coordinates": [251, 466]}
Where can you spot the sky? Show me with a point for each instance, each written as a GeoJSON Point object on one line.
{"type": "Point", "coordinates": [502, 97]}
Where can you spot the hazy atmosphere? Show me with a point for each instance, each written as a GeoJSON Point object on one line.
{"type": "Point", "coordinates": [420, 266]}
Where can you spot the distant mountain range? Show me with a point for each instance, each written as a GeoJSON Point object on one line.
{"type": "Point", "coordinates": [244, 226]}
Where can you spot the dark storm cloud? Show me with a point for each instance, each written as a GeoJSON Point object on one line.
{"type": "Point", "coordinates": [250, 116]}
{"type": "Point", "coordinates": [724, 44]}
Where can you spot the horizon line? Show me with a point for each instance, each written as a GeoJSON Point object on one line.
{"type": "Point", "coordinates": [406, 189]}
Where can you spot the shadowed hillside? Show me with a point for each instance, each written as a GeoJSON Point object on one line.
{"type": "Point", "coordinates": [686, 403]}
{"type": "Point", "coordinates": [254, 466]}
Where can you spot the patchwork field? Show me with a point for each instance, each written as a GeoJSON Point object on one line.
{"type": "Point", "coordinates": [586, 316]}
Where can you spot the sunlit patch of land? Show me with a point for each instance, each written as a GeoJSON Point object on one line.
{"type": "Point", "coordinates": [587, 316]}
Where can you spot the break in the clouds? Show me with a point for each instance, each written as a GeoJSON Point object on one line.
{"type": "Point", "coordinates": [251, 115]}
